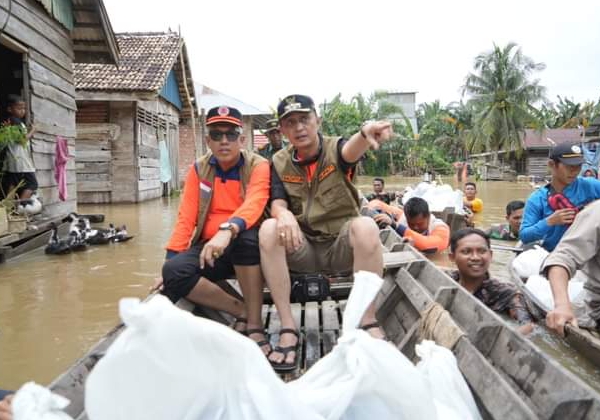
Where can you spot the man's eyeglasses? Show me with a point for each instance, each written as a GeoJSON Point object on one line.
{"type": "Point", "coordinates": [217, 135]}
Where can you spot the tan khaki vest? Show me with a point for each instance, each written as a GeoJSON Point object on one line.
{"type": "Point", "coordinates": [323, 205]}
{"type": "Point", "coordinates": [206, 172]}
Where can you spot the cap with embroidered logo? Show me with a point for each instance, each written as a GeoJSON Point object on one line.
{"type": "Point", "coordinates": [294, 103]}
{"type": "Point", "coordinates": [224, 114]}
{"type": "Point", "coordinates": [569, 154]}
{"type": "Point", "coordinates": [271, 125]}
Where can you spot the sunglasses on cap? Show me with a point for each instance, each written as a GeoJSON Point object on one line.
{"type": "Point", "coordinates": [217, 135]}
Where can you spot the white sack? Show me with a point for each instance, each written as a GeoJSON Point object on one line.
{"type": "Point", "coordinates": [34, 402]}
{"type": "Point", "coordinates": [451, 394]}
{"type": "Point", "coordinates": [529, 263]}
{"type": "Point", "coordinates": [438, 197]}
{"type": "Point", "coordinates": [363, 377]}
{"type": "Point", "coordinates": [539, 286]}
{"type": "Point", "coordinates": [170, 364]}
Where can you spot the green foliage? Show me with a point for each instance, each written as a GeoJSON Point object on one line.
{"type": "Point", "coordinates": [503, 98]}
{"type": "Point", "coordinates": [10, 134]}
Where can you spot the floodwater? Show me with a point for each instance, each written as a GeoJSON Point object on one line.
{"type": "Point", "coordinates": [54, 308]}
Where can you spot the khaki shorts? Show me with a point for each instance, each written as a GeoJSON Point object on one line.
{"type": "Point", "coordinates": [331, 256]}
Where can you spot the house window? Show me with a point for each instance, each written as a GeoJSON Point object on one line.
{"type": "Point", "coordinates": [13, 76]}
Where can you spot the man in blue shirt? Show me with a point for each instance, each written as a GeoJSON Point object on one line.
{"type": "Point", "coordinates": [551, 209]}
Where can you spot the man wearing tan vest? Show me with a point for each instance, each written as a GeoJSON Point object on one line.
{"type": "Point", "coordinates": [316, 225]}
{"type": "Point", "coordinates": [216, 234]}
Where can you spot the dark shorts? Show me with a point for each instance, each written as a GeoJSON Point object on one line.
{"type": "Point", "coordinates": [182, 272]}
{"type": "Point", "coordinates": [4, 393]}
{"type": "Point", "coordinates": [12, 179]}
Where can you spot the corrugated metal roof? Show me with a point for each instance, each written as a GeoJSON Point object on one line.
{"type": "Point", "coordinates": [209, 98]}
{"type": "Point", "coordinates": [548, 138]}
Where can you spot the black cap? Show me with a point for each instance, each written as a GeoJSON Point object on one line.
{"type": "Point", "coordinates": [294, 103]}
{"type": "Point", "coordinates": [567, 153]}
{"type": "Point", "coordinates": [224, 114]}
{"type": "Point", "coordinates": [272, 125]}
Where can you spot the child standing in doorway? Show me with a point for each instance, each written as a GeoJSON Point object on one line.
{"type": "Point", "coordinates": [18, 165]}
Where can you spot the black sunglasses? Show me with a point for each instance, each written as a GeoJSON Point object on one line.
{"type": "Point", "coordinates": [217, 135]}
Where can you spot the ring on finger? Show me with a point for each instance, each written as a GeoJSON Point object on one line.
{"type": "Point", "coordinates": [282, 235]}
{"type": "Point", "coordinates": [216, 254]}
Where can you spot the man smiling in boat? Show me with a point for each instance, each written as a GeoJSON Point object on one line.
{"type": "Point", "coordinates": [316, 225]}
{"type": "Point", "coordinates": [470, 251]}
{"type": "Point", "coordinates": [216, 234]}
{"type": "Point", "coordinates": [579, 249]}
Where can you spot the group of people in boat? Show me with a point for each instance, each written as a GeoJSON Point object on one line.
{"type": "Point", "coordinates": [294, 208]}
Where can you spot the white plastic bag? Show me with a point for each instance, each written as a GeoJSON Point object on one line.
{"type": "Point", "coordinates": [169, 364]}
{"type": "Point", "coordinates": [451, 394]}
{"type": "Point", "coordinates": [363, 377]}
{"type": "Point", "coordinates": [539, 286]}
{"type": "Point", "coordinates": [529, 263]}
{"type": "Point", "coordinates": [34, 402]}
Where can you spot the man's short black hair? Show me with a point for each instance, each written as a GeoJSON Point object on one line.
{"type": "Point", "coordinates": [416, 206]}
{"type": "Point", "coordinates": [461, 233]}
{"type": "Point", "coordinates": [470, 183]}
{"type": "Point", "coordinates": [380, 180]}
{"type": "Point", "coordinates": [513, 206]}
{"type": "Point", "coordinates": [13, 99]}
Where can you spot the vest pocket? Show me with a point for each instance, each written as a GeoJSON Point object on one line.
{"type": "Point", "coordinates": [334, 198]}
{"type": "Point", "coordinates": [295, 205]}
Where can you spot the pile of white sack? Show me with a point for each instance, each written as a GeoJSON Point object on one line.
{"type": "Point", "coordinates": [437, 196]}
{"type": "Point", "coordinates": [169, 364]}
{"type": "Point", "coordinates": [527, 266]}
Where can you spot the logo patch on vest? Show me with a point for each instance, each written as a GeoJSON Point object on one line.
{"type": "Point", "coordinates": [205, 189]}
{"type": "Point", "coordinates": [293, 179]}
{"type": "Point", "coordinates": [326, 172]}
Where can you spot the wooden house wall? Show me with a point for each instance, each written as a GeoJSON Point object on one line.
{"type": "Point", "coordinates": [94, 161]}
{"type": "Point", "coordinates": [51, 94]}
{"type": "Point", "coordinates": [124, 164]}
{"type": "Point", "coordinates": [157, 120]}
{"type": "Point", "coordinates": [537, 162]}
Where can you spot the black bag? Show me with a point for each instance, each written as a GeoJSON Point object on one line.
{"type": "Point", "coordinates": [309, 288]}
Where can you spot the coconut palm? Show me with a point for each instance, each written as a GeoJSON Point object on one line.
{"type": "Point", "coordinates": [502, 94]}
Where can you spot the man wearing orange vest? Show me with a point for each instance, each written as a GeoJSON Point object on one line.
{"type": "Point", "coordinates": [316, 225]}
{"type": "Point", "coordinates": [428, 233]}
{"type": "Point", "coordinates": [216, 234]}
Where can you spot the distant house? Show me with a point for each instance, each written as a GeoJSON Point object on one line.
{"type": "Point", "coordinates": [129, 120]}
{"type": "Point", "coordinates": [407, 101]}
{"type": "Point", "coordinates": [39, 43]}
{"type": "Point", "coordinates": [536, 148]}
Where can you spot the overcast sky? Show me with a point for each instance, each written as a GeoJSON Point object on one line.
{"type": "Point", "coordinates": [261, 50]}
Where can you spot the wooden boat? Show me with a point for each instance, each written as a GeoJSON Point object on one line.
{"type": "Point", "coordinates": [584, 341]}
{"type": "Point", "coordinates": [509, 377]}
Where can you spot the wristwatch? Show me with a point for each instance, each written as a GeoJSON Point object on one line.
{"type": "Point", "coordinates": [228, 226]}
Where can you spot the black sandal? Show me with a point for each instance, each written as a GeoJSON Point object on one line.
{"type": "Point", "coordinates": [283, 366]}
{"type": "Point", "coordinates": [260, 343]}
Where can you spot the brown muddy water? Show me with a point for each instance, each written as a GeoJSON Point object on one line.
{"type": "Point", "coordinates": [54, 308]}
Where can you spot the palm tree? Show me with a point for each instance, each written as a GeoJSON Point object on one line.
{"type": "Point", "coordinates": [502, 96]}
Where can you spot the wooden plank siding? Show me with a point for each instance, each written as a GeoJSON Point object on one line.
{"type": "Point", "coordinates": [51, 93]}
